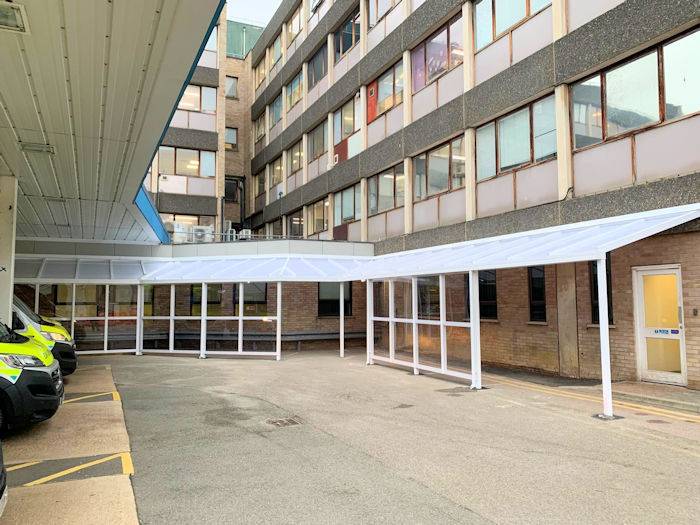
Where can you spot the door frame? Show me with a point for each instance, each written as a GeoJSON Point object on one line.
{"type": "Point", "coordinates": [638, 307]}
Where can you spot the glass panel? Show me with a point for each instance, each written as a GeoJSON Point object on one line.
{"type": "Point", "coordinates": [509, 13]}
{"type": "Point", "coordinates": [381, 298]}
{"type": "Point", "coordinates": [121, 334]}
{"type": "Point", "coordinates": [190, 99]}
{"type": "Point", "coordinates": [55, 300]}
{"type": "Point", "coordinates": [156, 334]}
{"type": "Point", "coordinates": [514, 140]}
{"type": "Point", "coordinates": [483, 23]}
{"type": "Point", "coordinates": [231, 87]}
{"type": "Point", "coordinates": [166, 160]}
{"type": "Point", "coordinates": [586, 112]}
{"type": "Point", "coordinates": [439, 170]}
{"type": "Point", "coordinates": [429, 297]}
{"type": "Point", "coordinates": [398, 83]}
{"type": "Point", "coordinates": [209, 99]}
{"type": "Point", "coordinates": [381, 338]}
{"type": "Point", "coordinates": [664, 355]}
{"type": "Point", "coordinates": [222, 335]}
{"type": "Point", "coordinates": [402, 299]}
{"type": "Point", "coordinates": [458, 163]}
{"type": "Point", "coordinates": [544, 128]}
{"type": "Point", "coordinates": [25, 292]}
{"type": "Point", "coordinates": [329, 299]}
{"type": "Point", "coordinates": [398, 171]}
{"type": "Point", "coordinates": [486, 152]}
{"type": "Point", "coordinates": [259, 336]}
{"type": "Point", "coordinates": [348, 209]}
{"type": "Point", "coordinates": [418, 68]}
{"type": "Point", "coordinates": [358, 202]}
{"type": "Point", "coordinates": [211, 42]}
{"type": "Point", "coordinates": [123, 300]}
{"type": "Point", "coordinates": [458, 349]}
{"type": "Point", "coordinates": [456, 42]}
{"type": "Point", "coordinates": [456, 297]}
{"type": "Point", "coordinates": [488, 305]}
{"type": "Point", "coordinates": [538, 305]}
{"type": "Point", "coordinates": [386, 191]}
{"type": "Point", "coordinates": [187, 162]}
{"type": "Point", "coordinates": [255, 299]}
{"type": "Point", "coordinates": [188, 299]}
{"type": "Point", "coordinates": [429, 345]}
{"type": "Point", "coordinates": [632, 95]}
{"type": "Point", "coordinates": [89, 335]}
{"type": "Point", "coordinates": [156, 300]}
{"type": "Point", "coordinates": [338, 208]}
{"type": "Point", "coordinates": [681, 77]}
{"type": "Point", "coordinates": [208, 168]}
{"type": "Point", "coordinates": [404, 342]}
{"type": "Point", "coordinates": [660, 301]}
{"type": "Point", "coordinates": [373, 194]}
{"type": "Point", "coordinates": [231, 136]}
{"type": "Point", "coordinates": [220, 300]}
{"type": "Point", "coordinates": [436, 55]}
{"type": "Point", "coordinates": [89, 300]}
{"type": "Point", "coordinates": [385, 91]}
{"type": "Point", "coordinates": [187, 334]}
{"type": "Point", "coordinates": [419, 177]}
{"type": "Point", "coordinates": [348, 119]}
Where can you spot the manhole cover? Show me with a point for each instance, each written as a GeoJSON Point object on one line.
{"type": "Point", "coordinates": [284, 422]}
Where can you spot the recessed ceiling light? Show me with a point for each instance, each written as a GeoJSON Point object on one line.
{"type": "Point", "coordinates": [37, 147]}
{"type": "Point", "coordinates": [13, 18]}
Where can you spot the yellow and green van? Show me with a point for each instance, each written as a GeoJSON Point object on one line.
{"type": "Point", "coordinates": [31, 383]}
{"type": "Point", "coordinates": [46, 332]}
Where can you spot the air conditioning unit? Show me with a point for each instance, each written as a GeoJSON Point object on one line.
{"type": "Point", "coordinates": [229, 234]}
{"type": "Point", "coordinates": [202, 234]}
{"type": "Point", "coordinates": [179, 232]}
{"type": "Point", "coordinates": [245, 234]}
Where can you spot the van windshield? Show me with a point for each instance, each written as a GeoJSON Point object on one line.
{"type": "Point", "coordinates": [8, 336]}
{"type": "Point", "coordinates": [20, 304]}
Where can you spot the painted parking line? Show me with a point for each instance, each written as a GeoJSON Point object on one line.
{"type": "Point", "coordinates": [34, 473]}
{"type": "Point", "coordinates": [100, 396]}
{"type": "Point", "coordinates": [671, 414]}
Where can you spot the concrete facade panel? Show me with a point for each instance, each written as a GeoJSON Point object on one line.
{"type": "Point", "coordinates": [668, 151]}
{"type": "Point", "coordinates": [536, 185]}
{"type": "Point", "coordinates": [495, 196]}
{"type": "Point", "coordinates": [604, 167]}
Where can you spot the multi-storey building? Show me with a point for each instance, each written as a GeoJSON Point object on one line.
{"type": "Point", "coordinates": [412, 123]}
{"type": "Point", "coordinates": [199, 173]}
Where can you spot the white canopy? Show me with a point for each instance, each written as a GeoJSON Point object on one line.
{"type": "Point", "coordinates": [582, 241]}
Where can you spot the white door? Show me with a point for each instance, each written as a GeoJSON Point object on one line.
{"type": "Point", "coordinates": [659, 324]}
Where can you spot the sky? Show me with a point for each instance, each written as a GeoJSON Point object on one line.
{"type": "Point", "coordinates": [257, 12]}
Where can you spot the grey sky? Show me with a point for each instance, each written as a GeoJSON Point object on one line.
{"type": "Point", "coordinates": [256, 12]}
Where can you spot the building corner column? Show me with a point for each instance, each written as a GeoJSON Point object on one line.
{"type": "Point", "coordinates": [408, 196]}
{"type": "Point", "coordinates": [470, 173]}
{"type": "Point", "coordinates": [364, 211]}
{"type": "Point", "coordinates": [565, 170]}
{"type": "Point", "coordinates": [567, 320]}
{"type": "Point", "coordinates": [331, 215]}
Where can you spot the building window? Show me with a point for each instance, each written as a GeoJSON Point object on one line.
{"type": "Point", "coordinates": [329, 299]}
{"type": "Point", "coordinates": [276, 111]}
{"type": "Point", "coordinates": [260, 184]}
{"type": "Point", "coordinates": [317, 141]}
{"type": "Point", "coordinates": [524, 137]}
{"type": "Point", "coordinates": [295, 225]}
{"type": "Point", "coordinates": [294, 26]}
{"type": "Point", "coordinates": [192, 220]}
{"type": "Point", "coordinates": [439, 53]}
{"type": "Point", "coordinates": [294, 91]}
{"type": "Point", "coordinates": [295, 158]}
{"type": "Point", "coordinates": [231, 138]}
{"type": "Point", "coordinates": [630, 96]}
{"type": "Point", "coordinates": [211, 42]}
{"type": "Point", "coordinates": [260, 73]}
{"type": "Point", "coordinates": [378, 9]}
{"type": "Point", "coordinates": [276, 51]}
{"type": "Point", "coordinates": [276, 173]}
{"type": "Point", "coordinates": [318, 66]}
{"type": "Point", "coordinates": [439, 170]}
{"type": "Point", "coordinates": [346, 121]}
{"type": "Point", "coordinates": [260, 127]}
{"type": "Point", "coordinates": [593, 273]}
{"type": "Point", "coordinates": [488, 307]}
{"type": "Point", "coordinates": [232, 189]}
{"type": "Point", "coordinates": [538, 300]}
{"type": "Point", "coordinates": [386, 190]}
{"type": "Point", "coordinates": [254, 298]}
{"type": "Point", "coordinates": [347, 36]}
{"type": "Point", "coordinates": [190, 162]}
{"type": "Point", "coordinates": [198, 98]}
{"type": "Point", "coordinates": [385, 92]}
{"type": "Point", "coordinates": [347, 205]}
{"type": "Point", "coordinates": [428, 297]}
{"type": "Point", "coordinates": [231, 87]}
{"type": "Point", "coordinates": [492, 18]}
{"type": "Point", "coordinates": [318, 216]}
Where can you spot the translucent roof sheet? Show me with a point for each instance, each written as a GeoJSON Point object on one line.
{"type": "Point", "coordinates": [583, 241]}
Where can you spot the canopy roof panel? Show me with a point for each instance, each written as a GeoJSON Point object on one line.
{"type": "Point", "coordinates": [583, 241]}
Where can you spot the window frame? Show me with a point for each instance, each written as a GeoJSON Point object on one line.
{"type": "Point", "coordinates": [290, 155]}
{"type": "Point", "coordinates": [275, 162]}
{"type": "Point", "coordinates": [230, 145]}
{"type": "Point", "coordinates": [299, 214]}
{"type": "Point", "coordinates": [235, 83]}
{"type": "Point", "coordinates": [375, 177]}
{"type": "Point", "coordinates": [356, 36]}
{"type": "Point", "coordinates": [347, 300]}
{"type": "Point", "coordinates": [371, 26]}
{"type": "Point", "coordinates": [260, 73]}
{"type": "Point", "coordinates": [324, 128]}
{"type": "Point", "coordinates": [450, 176]}
{"type": "Point", "coordinates": [450, 66]}
{"type": "Point", "coordinates": [258, 176]}
{"type": "Point", "coordinates": [277, 39]}
{"type": "Point", "coordinates": [312, 210]}
{"type": "Point", "coordinates": [354, 120]}
{"type": "Point", "coordinates": [199, 162]}
{"type": "Point", "coordinates": [532, 162]}
{"type": "Point", "coordinates": [259, 124]}
{"type": "Point", "coordinates": [497, 36]}
{"type": "Point", "coordinates": [394, 94]}
{"type": "Point", "coordinates": [355, 190]}
{"type": "Point", "coordinates": [323, 52]}
{"type": "Point", "coordinates": [272, 105]}
{"type": "Point", "coordinates": [200, 100]}
{"type": "Point", "coordinates": [663, 120]}
{"type": "Point", "coordinates": [484, 304]}
{"type": "Point", "coordinates": [534, 305]}
{"type": "Point", "coordinates": [290, 91]}
{"type": "Point", "coordinates": [291, 36]}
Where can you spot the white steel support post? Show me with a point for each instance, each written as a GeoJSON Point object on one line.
{"type": "Point", "coordinates": [106, 318]}
{"type": "Point", "coordinates": [414, 325]}
{"type": "Point", "coordinates": [443, 325]}
{"type": "Point", "coordinates": [203, 328]}
{"type": "Point", "coordinates": [171, 320]}
{"type": "Point", "coordinates": [370, 323]}
{"type": "Point", "coordinates": [139, 319]}
{"type": "Point", "coordinates": [8, 227]}
{"type": "Point", "coordinates": [475, 328]}
{"type": "Point", "coordinates": [240, 317]}
{"type": "Point", "coordinates": [278, 339]}
{"type": "Point", "coordinates": [604, 339]}
{"type": "Point", "coordinates": [392, 323]}
{"type": "Point", "coordinates": [342, 319]}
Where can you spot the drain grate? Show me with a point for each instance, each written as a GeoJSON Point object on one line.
{"type": "Point", "coordinates": [284, 422]}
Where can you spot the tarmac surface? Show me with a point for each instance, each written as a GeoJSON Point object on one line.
{"type": "Point", "coordinates": [319, 439]}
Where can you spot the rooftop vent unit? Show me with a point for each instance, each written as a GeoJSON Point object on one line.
{"type": "Point", "coordinates": [13, 18]}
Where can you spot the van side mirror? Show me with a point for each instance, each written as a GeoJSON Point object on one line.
{"type": "Point", "coordinates": [16, 323]}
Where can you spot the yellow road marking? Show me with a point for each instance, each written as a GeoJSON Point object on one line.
{"type": "Point", "coordinates": [71, 470]}
{"type": "Point", "coordinates": [127, 463]}
{"type": "Point", "coordinates": [94, 395]}
{"type": "Point", "coordinates": [116, 396]}
{"type": "Point", "coordinates": [574, 395]}
{"type": "Point", "coordinates": [22, 465]}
